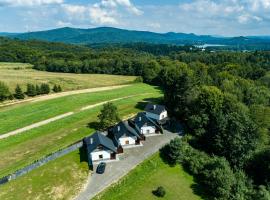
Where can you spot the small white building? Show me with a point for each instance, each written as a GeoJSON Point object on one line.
{"type": "Point", "coordinates": [156, 112]}
{"type": "Point", "coordinates": [125, 134]}
{"type": "Point", "coordinates": [99, 148]}
{"type": "Point", "coordinates": [146, 125]}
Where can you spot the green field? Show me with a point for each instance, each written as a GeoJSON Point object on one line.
{"type": "Point", "coordinates": [145, 178]}
{"type": "Point", "coordinates": [19, 73]}
{"type": "Point", "coordinates": [20, 150]}
{"type": "Point", "coordinates": [59, 179]}
{"type": "Point", "coordinates": [21, 115]}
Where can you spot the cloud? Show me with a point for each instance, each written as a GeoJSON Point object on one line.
{"type": "Point", "coordinates": [29, 2]}
{"type": "Point", "coordinates": [104, 12]}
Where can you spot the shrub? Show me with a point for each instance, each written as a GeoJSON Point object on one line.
{"type": "Point", "coordinates": [18, 93]}
{"type": "Point", "coordinates": [160, 192]}
{"type": "Point", "coordinates": [4, 91]}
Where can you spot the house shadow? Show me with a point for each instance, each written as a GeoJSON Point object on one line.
{"type": "Point", "coordinates": [141, 105]}
{"type": "Point", "coordinates": [83, 154]}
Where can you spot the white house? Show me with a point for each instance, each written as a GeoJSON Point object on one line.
{"type": "Point", "coordinates": [146, 125]}
{"type": "Point", "coordinates": [125, 134]}
{"type": "Point", "coordinates": [99, 148]}
{"type": "Point", "coordinates": [156, 112]}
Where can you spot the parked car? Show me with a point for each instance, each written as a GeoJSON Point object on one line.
{"type": "Point", "coordinates": [101, 168]}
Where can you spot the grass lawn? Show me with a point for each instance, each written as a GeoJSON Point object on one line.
{"type": "Point", "coordinates": [20, 150]}
{"type": "Point", "coordinates": [145, 178]}
{"type": "Point", "coordinates": [59, 179]}
{"type": "Point", "coordinates": [20, 73]}
{"type": "Point", "coordinates": [21, 115]}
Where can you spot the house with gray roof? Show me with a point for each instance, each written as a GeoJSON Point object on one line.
{"type": "Point", "coordinates": [99, 148]}
{"type": "Point", "coordinates": [156, 112]}
{"type": "Point", "coordinates": [125, 134]}
{"type": "Point", "coordinates": [146, 125]}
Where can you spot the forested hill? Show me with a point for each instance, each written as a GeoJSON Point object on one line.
{"type": "Point", "coordinates": [114, 35]}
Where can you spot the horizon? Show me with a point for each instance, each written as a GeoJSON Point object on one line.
{"type": "Point", "coordinates": [212, 35]}
{"type": "Point", "coordinates": [227, 18]}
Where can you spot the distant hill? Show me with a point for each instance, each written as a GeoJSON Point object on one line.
{"type": "Point", "coordinates": [108, 35]}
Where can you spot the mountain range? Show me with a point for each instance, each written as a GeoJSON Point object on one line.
{"type": "Point", "coordinates": [109, 35]}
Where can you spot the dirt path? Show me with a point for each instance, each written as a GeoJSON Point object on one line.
{"type": "Point", "coordinates": [62, 94]}
{"type": "Point", "coordinates": [47, 121]}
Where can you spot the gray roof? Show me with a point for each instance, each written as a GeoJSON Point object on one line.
{"type": "Point", "coordinates": [142, 120]}
{"type": "Point", "coordinates": [124, 129]}
{"type": "Point", "coordinates": [155, 108]}
{"type": "Point", "coordinates": [97, 139]}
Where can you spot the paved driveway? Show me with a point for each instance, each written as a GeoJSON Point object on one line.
{"type": "Point", "coordinates": [129, 160]}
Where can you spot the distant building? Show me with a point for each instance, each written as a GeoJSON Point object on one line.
{"type": "Point", "coordinates": [99, 148]}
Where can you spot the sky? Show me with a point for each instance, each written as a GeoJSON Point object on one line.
{"type": "Point", "coordinates": [203, 17]}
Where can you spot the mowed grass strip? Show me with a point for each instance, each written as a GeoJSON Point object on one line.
{"type": "Point", "coordinates": [19, 116]}
{"type": "Point", "coordinates": [58, 179]}
{"type": "Point", "coordinates": [149, 175]}
{"type": "Point", "coordinates": [22, 74]}
{"type": "Point", "coordinates": [20, 150]}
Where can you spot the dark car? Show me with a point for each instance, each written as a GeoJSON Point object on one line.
{"type": "Point", "coordinates": [101, 168]}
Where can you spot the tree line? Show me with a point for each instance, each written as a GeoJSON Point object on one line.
{"type": "Point", "coordinates": [31, 91]}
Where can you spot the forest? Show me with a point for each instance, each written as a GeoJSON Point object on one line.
{"type": "Point", "coordinates": [222, 97]}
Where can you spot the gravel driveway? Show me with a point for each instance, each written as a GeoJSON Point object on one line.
{"type": "Point", "coordinates": [129, 160]}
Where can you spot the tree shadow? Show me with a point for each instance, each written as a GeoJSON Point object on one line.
{"type": "Point", "coordinates": [163, 155]}
{"type": "Point", "coordinates": [94, 125]}
{"type": "Point", "coordinates": [141, 105]}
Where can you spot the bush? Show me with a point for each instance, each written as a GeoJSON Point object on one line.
{"type": "Point", "coordinates": [18, 93]}
{"type": "Point", "coordinates": [172, 152]}
{"type": "Point", "coordinates": [160, 192]}
{"type": "Point", "coordinates": [4, 91]}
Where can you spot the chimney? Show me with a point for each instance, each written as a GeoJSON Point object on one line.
{"type": "Point", "coordinates": [154, 107]}
{"type": "Point", "coordinates": [118, 128]}
{"type": "Point", "coordinates": [140, 118]}
{"type": "Point", "coordinates": [91, 140]}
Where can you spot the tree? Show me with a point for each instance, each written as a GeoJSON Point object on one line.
{"type": "Point", "coordinates": [44, 88]}
{"type": "Point", "coordinates": [218, 179]}
{"type": "Point", "coordinates": [160, 192]}
{"type": "Point", "coordinates": [55, 88]}
{"type": "Point", "coordinates": [4, 91]}
{"type": "Point", "coordinates": [31, 90]}
{"type": "Point", "coordinates": [108, 116]}
{"type": "Point", "coordinates": [172, 152]}
{"type": "Point", "coordinates": [38, 92]}
{"type": "Point", "coordinates": [59, 88]}
{"type": "Point", "coordinates": [18, 93]}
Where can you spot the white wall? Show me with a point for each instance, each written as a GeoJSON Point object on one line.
{"type": "Point", "coordinates": [151, 129]}
{"type": "Point", "coordinates": [157, 117]}
{"type": "Point", "coordinates": [163, 115]}
{"type": "Point", "coordinates": [95, 155]}
{"type": "Point", "coordinates": [132, 140]}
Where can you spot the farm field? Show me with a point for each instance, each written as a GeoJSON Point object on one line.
{"type": "Point", "coordinates": [21, 115]}
{"type": "Point", "coordinates": [58, 179]}
{"type": "Point", "coordinates": [20, 73]}
{"type": "Point", "coordinates": [145, 178]}
{"type": "Point", "coordinates": [22, 149]}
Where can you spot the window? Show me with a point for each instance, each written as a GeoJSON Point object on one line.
{"type": "Point", "coordinates": [162, 117]}
{"type": "Point", "coordinates": [101, 156]}
{"type": "Point", "coordinates": [147, 131]}
{"type": "Point", "coordinates": [127, 142]}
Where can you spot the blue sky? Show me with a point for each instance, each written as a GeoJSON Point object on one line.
{"type": "Point", "coordinates": [215, 17]}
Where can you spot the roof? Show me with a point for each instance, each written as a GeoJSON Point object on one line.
{"type": "Point", "coordinates": [155, 108]}
{"type": "Point", "coordinates": [124, 129]}
{"type": "Point", "coordinates": [97, 139]}
{"type": "Point", "coordinates": [141, 120]}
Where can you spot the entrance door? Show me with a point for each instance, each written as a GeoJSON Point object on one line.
{"type": "Point", "coordinates": [100, 156]}
{"type": "Point", "coordinates": [127, 142]}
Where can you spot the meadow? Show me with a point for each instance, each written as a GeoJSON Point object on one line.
{"type": "Point", "coordinates": [21, 115]}
{"type": "Point", "coordinates": [59, 179]}
{"type": "Point", "coordinates": [22, 149]}
{"type": "Point", "coordinates": [22, 74]}
{"type": "Point", "coordinates": [149, 175]}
